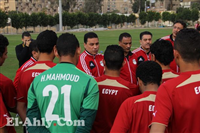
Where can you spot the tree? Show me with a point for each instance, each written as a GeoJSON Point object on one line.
{"type": "Point", "coordinates": [123, 19]}
{"type": "Point", "coordinates": [43, 19]}
{"type": "Point", "coordinates": [184, 14]}
{"type": "Point", "coordinates": [56, 18]}
{"type": "Point", "coordinates": [138, 6]}
{"type": "Point", "coordinates": [16, 19]}
{"type": "Point", "coordinates": [72, 21]}
{"type": "Point", "coordinates": [51, 21]}
{"type": "Point", "coordinates": [66, 17]}
{"type": "Point", "coordinates": [157, 16]}
{"type": "Point", "coordinates": [143, 17]}
{"type": "Point", "coordinates": [82, 18]}
{"type": "Point", "coordinates": [165, 16]}
{"type": "Point", "coordinates": [3, 18]}
{"type": "Point", "coordinates": [150, 16]}
{"type": "Point", "coordinates": [34, 20]}
{"type": "Point", "coordinates": [92, 19]}
{"type": "Point", "coordinates": [172, 17]}
{"type": "Point", "coordinates": [194, 14]}
{"type": "Point", "coordinates": [115, 18]}
{"type": "Point", "coordinates": [26, 20]}
{"type": "Point", "coordinates": [105, 20]}
{"type": "Point", "coordinates": [195, 5]}
{"type": "Point", "coordinates": [131, 18]}
{"type": "Point", "coordinates": [135, 6]}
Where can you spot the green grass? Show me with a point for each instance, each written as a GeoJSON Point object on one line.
{"type": "Point", "coordinates": [105, 38]}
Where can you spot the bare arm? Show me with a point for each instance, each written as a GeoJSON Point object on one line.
{"type": "Point", "coordinates": [157, 128]}
{"type": "Point", "coordinates": [21, 109]}
{"type": "Point", "coordinates": [3, 130]}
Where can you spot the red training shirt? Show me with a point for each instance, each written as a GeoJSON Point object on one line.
{"type": "Point", "coordinates": [141, 55]}
{"type": "Point", "coordinates": [128, 71]}
{"type": "Point", "coordinates": [177, 103]}
{"type": "Point", "coordinates": [24, 66]}
{"type": "Point", "coordinates": [168, 74]}
{"type": "Point", "coordinates": [27, 77]}
{"type": "Point", "coordinates": [135, 114]}
{"type": "Point", "coordinates": [4, 115]}
{"type": "Point", "coordinates": [112, 92]}
{"type": "Point", "coordinates": [91, 64]}
{"type": "Point", "coordinates": [8, 91]}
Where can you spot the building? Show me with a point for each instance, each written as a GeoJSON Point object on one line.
{"type": "Point", "coordinates": [188, 3]}
{"type": "Point", "coordinates": [118, 6]}
{"type": "Point", "coordinates": [7, 5]}
{"type": "Point", "coordinates": [29, 6]}
{"type": "Point", "coordinates": [164, 5]}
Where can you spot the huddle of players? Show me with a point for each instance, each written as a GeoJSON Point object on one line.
{"type": "Point", "coordinates": [118, 74]}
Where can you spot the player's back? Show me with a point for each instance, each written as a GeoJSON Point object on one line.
{"type": "Point", "coordinates": [27, 76]}
{"type": "Point", "coordinates": [168, 74]}
{"type": "Point", "coordinates": [135, 114]}
{"type": "Point", "coordinates": [62, 93]}
{"type": "Point", "coordinates": [112, 92]}
{"type": "Point", "coordinates": [180, 97]}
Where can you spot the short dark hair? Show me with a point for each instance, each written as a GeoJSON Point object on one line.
{"type": "Point", "coordinates": [3, 44]}
{"type": "Point", "coordinates": [149, 72]}
{"type": "Point", "coordinates": [187, 43]}
{"type": "Point", "coordinates": [114, 57]}
{"type": "Point", "coordinates": [46, 40]}
{"type": "Point", "coordinates": [25, 34]}
{"type": "Point", "coordinates": [198, 28]}
{"type": "Point", "coordinates": [67, 44]}
{"type": "Point", "coordinates": [182, 23]}
{"type": "Point", "coordinates": [145, 33]}
{"type": "Point", "coordinates": [125, 34]}
{"type": "Point", "coordinates": [33, 47]}
{"type": "Point", "coordinates": [163, 51]}
{"type": "Point", "coordinates": [89, 35]}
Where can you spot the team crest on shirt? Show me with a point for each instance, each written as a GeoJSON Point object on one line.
{"type": "Point", "coordinates": [134, 62]}
{"type": "Point", "coordinates": [92, 65]}
{"type": "Point", "coordinates": [140, 59]}
{"type": "Point", "coordinates": [101, 63]}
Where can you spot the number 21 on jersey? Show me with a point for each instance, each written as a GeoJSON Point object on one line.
{"type": "Point", "coordinates": [65, 90]}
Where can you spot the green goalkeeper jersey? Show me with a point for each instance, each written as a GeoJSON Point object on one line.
{"type": "Point", "coordinates": [64, 100]}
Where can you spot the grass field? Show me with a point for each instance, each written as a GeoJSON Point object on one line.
{"type": "Point", "coordinates": [105, 38]}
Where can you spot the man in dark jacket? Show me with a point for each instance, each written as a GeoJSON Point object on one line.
{"type": "Point", "coordinates": [22, 50]}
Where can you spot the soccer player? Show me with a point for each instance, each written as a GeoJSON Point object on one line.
{"type": "Point", "coordinates": [162, 53]}
{"type": "Point", "coordinates": [130, 64]}
{"type": "Point", "coordinates": [135, 113]}
{"type": "Point", "coordinates": [7, 91]}
{"type": "Point", "coordinates": [178, 25]}
{"type": "Point", "coordinates": [113, 90]}
{"type": "Point", "coordinates": [34, 57]}
{"type": "Point", "coordinates": [64, 94]}
{"type": "Point", "coordinates": [46, 41]}
{"type": "Point", "coordinates": [143, 52]}
{"type": "Point", "coordinates": [90, 61]}
{"type": "Point", "coordinates": [177, 101]}
{"type": "Point", "coordinates": [22, 50]}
